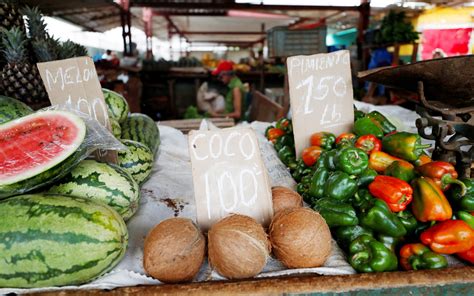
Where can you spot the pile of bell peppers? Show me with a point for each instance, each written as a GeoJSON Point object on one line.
{"type": "Point", "coordinates": [388, 205]}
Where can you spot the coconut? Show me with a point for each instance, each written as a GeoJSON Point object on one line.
{"type": "Point", "coordinates": [238, 247]}
{"type": "Point", "coordinates": [300, 238]}
{"type": "Point", "coordinates": [174, 251]}
{"type": "Point", "coordinates": [284, 198]}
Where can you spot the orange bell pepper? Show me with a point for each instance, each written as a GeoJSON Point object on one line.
{"type": "Point", "coordinates": [418, 256]}
{"type": "Point", "coordinates": [449, 237]}
{"type": "Point", "coordinates": [395, 192]}
{"type": "Point", "coordinates": [379, 161]}
{"type": "Point", "coordinates": [429, 202]}
{"type": "Point", "coordinates": [423, 159]}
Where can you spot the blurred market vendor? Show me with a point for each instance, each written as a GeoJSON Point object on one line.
{"type": "Point", "coordinates": [234, 98]}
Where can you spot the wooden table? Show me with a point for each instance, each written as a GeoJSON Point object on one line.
{"type": "Point", "coordinates": [450, 281]}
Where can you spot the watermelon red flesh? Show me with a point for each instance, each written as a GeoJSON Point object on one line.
{"type": "Point", "coordinates": [32, 144]}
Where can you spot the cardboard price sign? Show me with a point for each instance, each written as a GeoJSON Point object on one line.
{"type": "Point", "coordinates": [320, 94]}
{"type": "Point", "coordinates": [229, 176]}
{"type": "Point", "coordinates": [74, 82]}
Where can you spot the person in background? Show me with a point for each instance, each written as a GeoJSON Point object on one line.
{"type": "Point", "coordinates": [234, 98]}
{"type": "Point", "coordinates": [107, 55]}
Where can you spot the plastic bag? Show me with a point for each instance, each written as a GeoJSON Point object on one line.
{"type": "Point", "coordinates": [43, 152]}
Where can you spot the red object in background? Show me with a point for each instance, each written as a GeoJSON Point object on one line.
{"type": "Point", "coordinates": [452, 42]}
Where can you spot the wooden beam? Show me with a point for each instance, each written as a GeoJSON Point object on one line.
{"type": "Point", "coordinates": [241, 6]}
{"type": "Point", "coordinates": [222, 33]}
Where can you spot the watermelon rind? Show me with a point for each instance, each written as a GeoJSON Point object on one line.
{"type": "Point", "coordinates": [55, 168]}
{"type": "Point", "coordinates": [141, 128]}
{"type": "Point", "coordinates": [116, 129]}
{"type": "Point", "coordinates": [137, 160]}
{"type": "Point", "coordinates": [11, 108]}
{"type": "Point", "coordinates": [116, 104]}
{"type": "Point", "coordinates": [102, 182]}
{"type": "Point", "coordinates": [55, 240]}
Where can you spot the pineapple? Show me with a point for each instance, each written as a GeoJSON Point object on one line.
{"type": "Point", "coordinates": [70, 49]}
{"type": "Point", "coordinates": [20, 79]}
{"type": "Point", "coordinates": [43, 46]}
{"type": "Point", "coordinates": [9, 17]}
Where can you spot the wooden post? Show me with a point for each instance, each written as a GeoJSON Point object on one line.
{"type": "Point", "coordinates": [363, 24]}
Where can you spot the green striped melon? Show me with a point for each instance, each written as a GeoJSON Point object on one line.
{"type": "Point", "coordinates": [137, 160]}
{"type": "Point", "coordinates": [12, 109]}
{"type": "Point", "coordinates": [101, 182]}
{"type": "Point", "coordinates": [141, 128]}
{"type": "Point", "coordinates": [116, 129]}
{"type": "Point", "coordinates": [117, 105]}
{"type": "Point", "coordinates": [38, 149]}
{"type": "Point", "coordinates": [55, 240]}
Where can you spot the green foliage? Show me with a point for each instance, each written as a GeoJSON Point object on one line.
{"type": "Point", "coordinates": [396, 29]}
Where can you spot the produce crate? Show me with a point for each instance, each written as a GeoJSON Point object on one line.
{"type": "Point", "coordinates": [283, 42]}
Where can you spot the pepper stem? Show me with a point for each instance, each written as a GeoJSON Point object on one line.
{"type": "Point", "coordinates": [448, 179]}
{"type": "Point", "coordinates": [422, 146]}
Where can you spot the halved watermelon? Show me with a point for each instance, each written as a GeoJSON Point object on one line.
{"type": "Point", "coordinates": [37, 148]}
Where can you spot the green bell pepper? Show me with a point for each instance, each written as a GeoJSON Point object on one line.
{"type": "Point", "coordinates": [361, 199]}
{"type": "Point", "coordinates": [392, 243]}
{"type": "Point", "coordinates": [418, 256]}
{"type": "Point", "coordinates": [402, 170]}
{"type": "Point", "coordinates": [352, 160]}
{"type": "Point", "coordinates": [299, 170]}
{"type": "Point", "coordinates": [336, 213]}
{"type": "Point", "coordinates": [344, 235]}
{"type": "Point", "coordinates": [378, 217]}
{"type": "Point", "coordinates": [405, 145]}
{"type": "Point", "coordinates": [285, 140]}
{"type": "Point", "coordinates": [318, 180]}
{"type": "Point", "coordinates": [301, 189]}
{"type": "Point", "coordinates": [459, 202]}
{"type": "Point", "coordinates": [386, 125]}
{"type": "Point", "coordinates": [370, 255]}
{"type": "Point", "coordinates": [286, 155]}
{"type": "Point", "coordinates": [466, 217]}
{"type": "Point", "coordinates": [409, 221]}
{"type": "Point", "coordinates": [367, 126]}
{"type": "Point", "coordinates": [358, 114]}
{"type": "Point", "coordinates": [330, 160]}
{"type": "Point", "coordinates": [340, 186]}
{"type": "Point", "coordinates": [366, 177]}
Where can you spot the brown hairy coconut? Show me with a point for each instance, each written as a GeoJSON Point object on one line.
{"type": "Point", "coordinates": [300, 238]}
{"type": "Point", "coordinates": [238, 247]}
{"type": "Point", "coordinates": [285, 198]}
{"type": "Point", "coordinates": [174, 251]}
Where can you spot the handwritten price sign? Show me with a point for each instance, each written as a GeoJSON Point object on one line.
{"type": "Point", "coordinates": [320, 94]}
{"type": "Point", "coordinates": [74, 82]}
{"type": "Point", "coordinates": [229, 176]}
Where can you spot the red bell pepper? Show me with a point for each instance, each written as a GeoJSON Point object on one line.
{"type": "Point", "coordinates": [311, 154]}
{"type": "Point", "coordinates": [274, 133]}
{"type": "Point", "coordinates": [395, 192]}
{"type": "Point", "coordinates": [369, 143]}
{"type": "Point", "coordinates": [467, 255]}
{"type": "Point", "coordinates": [379, 161]}
{"type": "Point", "coordinates": [429, 202]}
{"type": "Point", "coordinates": [345, 139]}
{"type": "Point", "coordinates": [443, 173]}
{"type": "Point", "coordinates": [449, 237]}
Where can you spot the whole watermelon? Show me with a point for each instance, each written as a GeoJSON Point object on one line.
{"type": "Point", "coordinates": [137, 160]}
{"type": "Point", "coordinates": [117, 105]}
{"type": "Point", "coordinates": [55, 240]}
{"type": "Point", "coordinates": [141, 128]}
{"type": "Point", "coordinates": [38, 149]}
{"type": "Point", "coordinates": [12, 109]}
{"type": "Point", "coordinates": [101, 182]}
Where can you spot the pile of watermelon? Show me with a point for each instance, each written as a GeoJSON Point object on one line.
{"type": "Point", "coordinates": [62, 219]}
